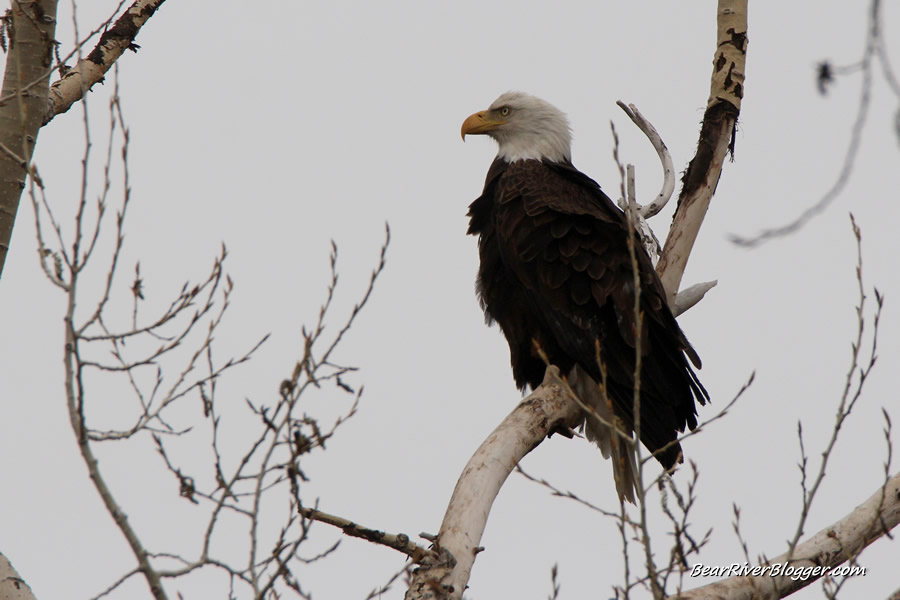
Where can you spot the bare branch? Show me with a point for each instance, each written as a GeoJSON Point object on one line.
{"type": "Point", "coordinates": [398, 541]}
{"type": "Point", "coordinates": [850, 394]}
{"type": "Point", "coordinates": [688, 297]}
{"type": "Point", "coordinates": [71, 87]}
{"type": "Point", "coordinates": [816, 557]}
{"type": "Point", "coordinates": [652, 209]}
{"type": "Point", "coordinates": [874, 50]}
{"type": "Point", "coordinates": [537, 416]}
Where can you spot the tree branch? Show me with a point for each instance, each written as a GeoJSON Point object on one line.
{"type": "Point", "coordinates": [548, 407]}
{"type": "Point", "coordinates": [716, 140]}
{"type": "Point", "coordinates": [71, 87]}
{"type": "Point", "coordinates": [12, 587]}
{"type": "Point", "coordinates": [665, 193]}
{"type": "Point", "coordinates": [398, 541]}
{"type": "Point", "coordinates": [829, 548]}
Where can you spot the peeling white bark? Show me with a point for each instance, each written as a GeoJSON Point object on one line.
{"type": "Point", "coordinates": [91, 70]}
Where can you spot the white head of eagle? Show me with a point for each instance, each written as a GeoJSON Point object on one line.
{"type": "Point", "coordinates": [525, 127]}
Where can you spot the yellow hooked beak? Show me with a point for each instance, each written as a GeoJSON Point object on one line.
{"type": "Point", "coordinates": [479, 123]}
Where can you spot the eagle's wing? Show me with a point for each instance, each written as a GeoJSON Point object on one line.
{"type": "Point", "coordinates": [565, 244]}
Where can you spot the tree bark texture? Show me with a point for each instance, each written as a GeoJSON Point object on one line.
{"type": "Point", "coordinates": [716, 140]}
{"type": "Point", "coordinates": [12, 587]}
{"type": "Point", "coordinates": [89, 71]}
{"type": "Point", "coordinates": [28, 102]}
{"type": "Point", "coordinates": [23, 102]}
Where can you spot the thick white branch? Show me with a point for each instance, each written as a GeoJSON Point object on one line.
{"type": "Point", "coordinates": [716, 139]}
{"type": "Point", "coordinates": [549, 406]}
{"type": "Point", "coordinates": [830, 547]}
{"type": "Point", "coordinates": [687, 298]}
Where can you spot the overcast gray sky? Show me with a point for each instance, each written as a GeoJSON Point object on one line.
{"type": "Point", "coordinates": [276, 127]}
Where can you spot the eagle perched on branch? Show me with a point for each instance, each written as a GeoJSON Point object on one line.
{"type": "Point", "coordinates": [556, 274]}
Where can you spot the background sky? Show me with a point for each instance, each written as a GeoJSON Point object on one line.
{"type": "Point", "coordinates": [276, 127]}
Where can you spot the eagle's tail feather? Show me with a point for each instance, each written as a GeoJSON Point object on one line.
{"type": "Point", "coordinates": [611, 444]}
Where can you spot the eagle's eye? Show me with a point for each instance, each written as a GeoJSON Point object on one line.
{"type": "Point", "coordinates": [504, 111]}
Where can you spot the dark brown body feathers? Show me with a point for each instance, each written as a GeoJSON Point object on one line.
{"type": "Point", "coordinates": [555, 268]}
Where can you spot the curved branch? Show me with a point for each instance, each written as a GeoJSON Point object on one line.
{"type": "Point", "coordinates": [537, 416]}
{"type": "Point", "coordinates": [652, 209]}
{"type": "Point", "coordinates": [72, 86]}
{"type": "Point", "coordinates": [827, 549]}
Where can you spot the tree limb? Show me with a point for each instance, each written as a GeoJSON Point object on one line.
{"type": "Point", "coordinates": [548, 407]}
{"type": "Point", "coordinates": [830, 547]}
{"type": "Point", "coordinates": [665, 193]}
{"type": "Point", "coordinates": [71, 87]}
{"type": "Point", "coordinates": [397, 541]}
{"type": "Point", "coordinates": [716, 140]}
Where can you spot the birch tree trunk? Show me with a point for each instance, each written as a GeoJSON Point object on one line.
{"type": "Point", "coordinates": [23, 102]}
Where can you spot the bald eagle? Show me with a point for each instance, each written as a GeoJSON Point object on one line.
{"type": "Point", "coordinates": [556, 274]}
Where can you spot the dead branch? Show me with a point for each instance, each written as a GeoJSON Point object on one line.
{"type": "Point", "coordinates": [652, 209]}
{"type": "Point", "coordinates": [398, 541]}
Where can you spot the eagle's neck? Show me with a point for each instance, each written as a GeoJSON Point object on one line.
{"type": "Point", "coordinates": [554, 145]}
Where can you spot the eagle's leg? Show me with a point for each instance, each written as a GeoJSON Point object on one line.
{"type": "Point", "coordinates": [563, 428]}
